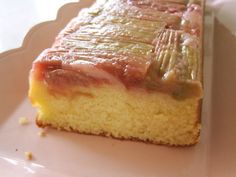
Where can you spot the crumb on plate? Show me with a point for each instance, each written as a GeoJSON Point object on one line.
{"type": "Point", "coordinates": [42, 133]}
{"type": "Point", "coordinates": [23, 120]}
{"type": "Point", "coordinates": [28, 155]}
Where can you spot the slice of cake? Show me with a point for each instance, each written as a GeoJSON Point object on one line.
{"type": "Point", "coordinates": [129, 69]}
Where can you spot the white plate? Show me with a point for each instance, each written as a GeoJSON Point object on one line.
{"type": "Point", "coordinates": [68, 154]}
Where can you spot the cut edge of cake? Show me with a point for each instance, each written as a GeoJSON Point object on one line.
{"type": "Point", "coordinates": [112, 111]}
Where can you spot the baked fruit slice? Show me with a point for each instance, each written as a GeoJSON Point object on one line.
{"type": "Point", "coordinates": [130, 69]}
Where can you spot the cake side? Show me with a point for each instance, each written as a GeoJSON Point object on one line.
{"type": "Point", "coordinates": [111, 110]}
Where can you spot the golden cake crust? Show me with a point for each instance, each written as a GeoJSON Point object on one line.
{"type": "Point", "coordinates": [195, 140]}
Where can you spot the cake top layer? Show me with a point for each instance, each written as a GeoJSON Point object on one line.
{"type": "Point", "coordinates": [147, 43]}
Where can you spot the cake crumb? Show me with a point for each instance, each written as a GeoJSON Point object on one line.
{"type": "Point", "coordinates": [23, 120]}
{"type": "Point", "coordinates": [42, 133]}
{"type": "Point", "coordinates": [28, 155]}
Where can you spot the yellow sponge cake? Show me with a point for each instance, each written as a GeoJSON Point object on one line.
{"type": "Point", "coordinates": [129, 69]}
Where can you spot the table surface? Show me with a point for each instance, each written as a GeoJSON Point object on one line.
{"type": "Point", "coordinates": [18, 17]}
